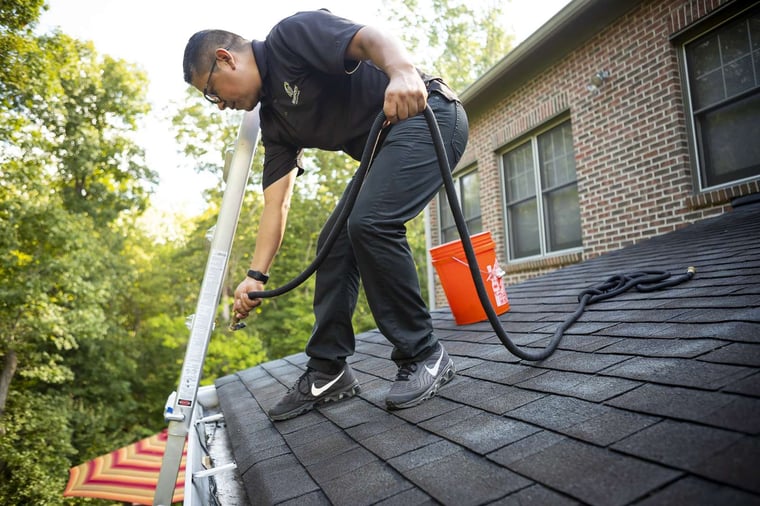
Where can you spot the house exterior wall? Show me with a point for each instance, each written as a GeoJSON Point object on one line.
{"type": "Point", "coordinates": [632, 157]}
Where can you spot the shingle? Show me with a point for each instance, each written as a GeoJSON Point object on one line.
{"type": "Point", "coordinates": [697, 492]}
{"type": "Point", "coordinates": [485, 481]}
{"type": "Point", "coordinates": [735, 465]}
{"type": "Point", "coordinates": [526, 448]}
{"type": "Point", "coordinates": [677, 444]}
{"type": "Point", "coordinates": [593, 475]}
{"type": "Point", "coordinates": [491, 352]}
{"type": "Point", "coordinates": [316, 498]}
{"type": "Point", "coordinates": [679, 372]}
{"type": "Point", "coordinates": [580, 362]}
{"type": "Point", "coordinates": [493, 397]}
{"type": "Point", "coordinates": [584, 386]}
{"type": "Point", "coordinates": [350, 413]}
{"type": "Point", "coordinates": [299, 423]}
{"type": "Point", "coordinates": [748, 386]}
{"type": "Point", "coordinates": [483, 432]}
{"type": "Point", "coordinates": [412, 497]}
{"type": "Point", "coordinates": [586, 343]}
{"type": "Point", "coordinates": [401, 440]}
{"type": "Point", "coordinates": [319, 447]}
{"type": "Point", "coordinates": [427, 410]}
{"type": "Point", "coordinates": [535, 495]}
{"type": "Point", "coordinates": [609, 426]}
{"type": "Point", "coordinates": [379, 423]}
{"type": "Point", "coordinates": [378, 481]}
{"type": "Point", "coordinates": [424, 456]}
{"type": "Point", "coordinates": [719, 409]}
{"type": "Point", "coordinates": [374, 391]}
{"type": "Point", "coordinates": [508, 374]}
{"type": "Point", "coordinates": [674, 348]}
{"type": "Point", "coordinates": [257, 446]}
{"type": "Point", "coordinates": [336, 465]}
{"type": "Point", "coordinates": [736, 353]}
{"type": "Point", "coordinates": [276, 480]}
{"type": "Point", "coordinates": [722, 309]}
{"type": "Point", "coordinates": [558, 413]}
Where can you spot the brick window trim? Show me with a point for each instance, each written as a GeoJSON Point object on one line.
{"type": "Point", "coordinates": [722, 196]}
{"type": "Point", "coordinates": [539, 264]}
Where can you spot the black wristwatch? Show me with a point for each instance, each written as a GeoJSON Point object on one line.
{"type": "Point", "coordinates": [258, 276]}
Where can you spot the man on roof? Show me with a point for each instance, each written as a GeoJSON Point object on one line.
{"type": "Point", "coordinates": [321, 81]}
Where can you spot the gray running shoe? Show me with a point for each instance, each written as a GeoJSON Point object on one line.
{"type": "Point", "coordinates": [417, 381]}
{"type": "Point", "coordinates": [312, 388]}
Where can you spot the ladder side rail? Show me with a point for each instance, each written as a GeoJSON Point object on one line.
{"type": "Point", "coordinates": [208, 300]}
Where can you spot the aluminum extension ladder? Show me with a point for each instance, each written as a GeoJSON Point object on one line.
{"type": "Point", "coordinates": [180, 407]}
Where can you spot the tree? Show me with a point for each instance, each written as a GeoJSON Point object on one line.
{"type": "Point", "coordinates": [70, 176]}
{"type": "Point", "coordinates": [458, 41]}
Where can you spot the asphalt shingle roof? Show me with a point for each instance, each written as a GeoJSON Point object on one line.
{"type": "Point", "coordinates": [652, 398]}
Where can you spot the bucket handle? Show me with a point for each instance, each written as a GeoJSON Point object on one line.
{"type": "Point", "coordinates": [492, 273]}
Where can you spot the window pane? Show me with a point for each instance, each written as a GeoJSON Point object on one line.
{"type": "Point", "coordinates": [557, 161]}
{"type": "Point", "coordinates": [447, 218]}
{"type": "Point", "coordinates": [703, 56]}
{"type": "Point", "coordinates": [523, 227]}
{"type": "Point", "coordinates": [450, 234]}
{"type": "Point", "coordinates": [468, 196]}
{"type": "Point", "coordinates": [734, 41]}
{"type": "Point", "coordinates": [475, 225]}
{"type": "Point", "coordinates": [739, 76]}
{"type": "Point", "coordinates": [729, 141]}
{"type": "Point", "coordinates": [564, 219]}
{"type": "Point", "coordinates": [518, 168]}
{"type": "Point", "coordinates": [708, 89]}
{"type": "Point", "coordinates": [720, 64]}
{"type": "Point", "coordinates": [754, 31]}
{"type": "Point", "coordinates": [470, 186]}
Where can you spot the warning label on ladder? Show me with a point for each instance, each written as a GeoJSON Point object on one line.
{"type": "Point", "coordinates": [203, 323]}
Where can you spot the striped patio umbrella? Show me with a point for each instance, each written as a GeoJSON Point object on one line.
{"type": "Point", "coordinates": [128, 474]}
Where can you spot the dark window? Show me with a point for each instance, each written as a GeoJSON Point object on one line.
{"type": "Point", "coordinates": [723, 75]}
{"type": "Point", "coordinates": [468, 192]}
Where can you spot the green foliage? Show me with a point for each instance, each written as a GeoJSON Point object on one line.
{"type": "Point", "coordinates": [74, 381]}
{"type": "Point", "coordinates": [18, 14]}
{"type": "Point", "coordinates": [457, 40]}
{"type": "Point", "coordinates": [35, 449]}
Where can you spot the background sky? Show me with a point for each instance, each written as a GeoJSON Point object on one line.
{"type": "Point", "coordinates": [152, 34]}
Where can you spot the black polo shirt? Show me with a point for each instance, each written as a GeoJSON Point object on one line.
{"type": "Point", "coordinates": [312, 97]}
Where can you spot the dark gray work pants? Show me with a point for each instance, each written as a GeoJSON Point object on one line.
{"type": "Point", "coordinates": [402, 180]}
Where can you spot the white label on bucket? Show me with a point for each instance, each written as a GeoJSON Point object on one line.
{"type": "Point", "coordinates": [497, 283]}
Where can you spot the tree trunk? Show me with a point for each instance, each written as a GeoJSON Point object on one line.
{"type": "Point", "coordinates": [9, 369]}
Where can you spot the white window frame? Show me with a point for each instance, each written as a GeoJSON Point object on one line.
{"type": "Point", "coordinates": [532, 138]}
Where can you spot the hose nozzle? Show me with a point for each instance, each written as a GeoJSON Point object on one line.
{"type": "Point", "coordinates": [235, 324]}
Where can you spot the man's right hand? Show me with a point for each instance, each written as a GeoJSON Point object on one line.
{"type": "Point", "coordinates": [244, 305]}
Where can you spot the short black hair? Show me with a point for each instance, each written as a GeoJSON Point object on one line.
{"type": "Point", "coordinates": [199, 50]}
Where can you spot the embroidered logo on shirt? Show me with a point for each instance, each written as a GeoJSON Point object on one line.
{"type": "Point", "coordinates": [293, 92]}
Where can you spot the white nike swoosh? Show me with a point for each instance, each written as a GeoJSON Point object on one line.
{"type": "Point", "coordinates": [317, 391]}
{"type": "Point", "coordinates": [434, 370]}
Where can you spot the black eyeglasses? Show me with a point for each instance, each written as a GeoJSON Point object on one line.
{"type": "Point", "coordinates": [212, 97]}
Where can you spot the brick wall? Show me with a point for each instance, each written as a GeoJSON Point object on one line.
{"type": "Point", "coordinates": [631, 152]}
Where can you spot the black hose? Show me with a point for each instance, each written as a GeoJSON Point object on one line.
{"type": "Point", "coordinates": [644, 281]}
{"type": "Point", "coordinates": [343, 210]}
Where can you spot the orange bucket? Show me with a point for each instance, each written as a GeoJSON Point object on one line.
{"type": "Point", "coordinates": [451, 265]}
